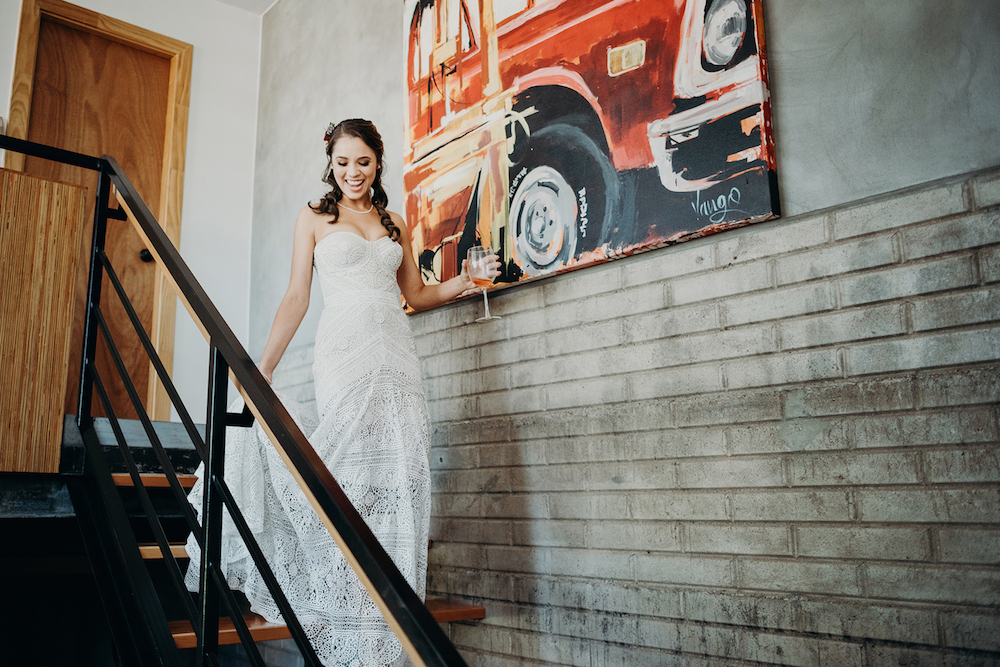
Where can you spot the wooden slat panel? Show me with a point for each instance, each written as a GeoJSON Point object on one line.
{"type": "Point", "coordinates": [40, 241]}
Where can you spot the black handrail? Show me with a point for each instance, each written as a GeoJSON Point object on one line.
{"type": "Point", "coordinates": [391, 588]}
{"type": "Point", "coordinates": [416, 628]}
{"type": "Point", "coordinates": [51, 153]}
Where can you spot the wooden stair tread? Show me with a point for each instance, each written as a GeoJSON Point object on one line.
{"type": "Point", "coordinates": [153, 480]}
{"type": "Point", "coordinates": [151, 551]}
{"type": "Point", "coordinates": [442, 610]}
{"type": "Point", "coordinates": [445, 611]}
{"type": "Point", "coordinates": [260, 629]}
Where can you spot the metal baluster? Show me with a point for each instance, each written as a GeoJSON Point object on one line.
{"type": "Point", "coordinates": [83, 416]}
{"type": "Point", "coordinates": [215, 438]}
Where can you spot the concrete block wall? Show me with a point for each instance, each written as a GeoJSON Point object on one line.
{"type": "Point", "coordinates": [776, 445]}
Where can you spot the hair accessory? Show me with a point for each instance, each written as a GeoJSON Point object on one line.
{"type": "Point", "coordinates": [329, 132]}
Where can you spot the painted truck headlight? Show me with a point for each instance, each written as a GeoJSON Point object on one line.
{"type": "Point", "coordinates": [725, 26]}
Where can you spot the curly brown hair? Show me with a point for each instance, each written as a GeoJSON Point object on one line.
{"type": "Point", "coordinates": [364, 130]}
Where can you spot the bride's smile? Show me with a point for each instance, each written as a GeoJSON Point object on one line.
{"type": "Point", "coordinates": [355, 167]}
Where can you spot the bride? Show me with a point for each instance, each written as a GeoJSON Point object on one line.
{"type": "Point", "coordinates": [372, 430]}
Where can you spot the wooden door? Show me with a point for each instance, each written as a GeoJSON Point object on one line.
{"type": "Point", "coordinates": [97, 97]}
{"type": "Point", "coordinates": [98, 86]}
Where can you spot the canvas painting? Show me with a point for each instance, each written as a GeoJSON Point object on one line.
{"type": "Point", "coordinates": [564, 133]}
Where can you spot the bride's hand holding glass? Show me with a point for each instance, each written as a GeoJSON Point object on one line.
{"type": "Point", "coordinates": [479, 269]}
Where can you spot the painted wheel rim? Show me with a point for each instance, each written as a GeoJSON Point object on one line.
{"type": "Point", "coordinates": [544, 211]}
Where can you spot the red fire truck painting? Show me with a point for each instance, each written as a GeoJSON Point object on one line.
{"type": "Point", "coordinates": [568, 132]}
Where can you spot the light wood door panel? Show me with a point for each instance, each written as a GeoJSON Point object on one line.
{"type": "Point", "coordinates": [96, 96]}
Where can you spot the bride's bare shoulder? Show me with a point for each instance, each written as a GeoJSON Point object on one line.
{"type": "Point", "coordinates": [308, 221]}
{"type": "Point", "coordinates": [308, 213]}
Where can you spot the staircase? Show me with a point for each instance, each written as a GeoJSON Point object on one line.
{"type": "Point", "coordinates": [128, 479]}
{"type": "Point", "coordinates": [182, 632]}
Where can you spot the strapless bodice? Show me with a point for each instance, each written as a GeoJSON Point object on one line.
{"type": "Point", "coordinates": [349, 263]}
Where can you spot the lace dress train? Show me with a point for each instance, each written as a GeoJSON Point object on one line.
{"type": "Point", "coordinates": [372, 432]}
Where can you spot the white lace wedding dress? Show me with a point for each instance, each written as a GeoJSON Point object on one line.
{"type": "Point", "coordinates": [372, 432]}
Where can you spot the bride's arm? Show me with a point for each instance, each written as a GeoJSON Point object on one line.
{"type": "Point", "coordinates": [296, 300]}
{"type": "Point", "coordinates": [418, 295]}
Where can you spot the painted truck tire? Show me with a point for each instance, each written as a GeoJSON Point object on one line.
{"type": "Point", "coordinates": [562, 194]}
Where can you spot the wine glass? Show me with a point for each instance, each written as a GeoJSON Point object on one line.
{"type": "Point", "coordinates": [478, 264]}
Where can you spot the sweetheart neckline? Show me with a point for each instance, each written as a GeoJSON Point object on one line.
{"type": "Point", "coordinates": [359, 236]}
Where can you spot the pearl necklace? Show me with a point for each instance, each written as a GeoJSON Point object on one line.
{"type": "Point", "coordinates": [357, 211]}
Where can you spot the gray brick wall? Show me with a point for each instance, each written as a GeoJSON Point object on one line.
{"type": "Point", "coordinates": [775, 445]}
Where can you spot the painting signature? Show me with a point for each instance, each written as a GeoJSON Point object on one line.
{"type": "Point", "coordinates": [717, 209]}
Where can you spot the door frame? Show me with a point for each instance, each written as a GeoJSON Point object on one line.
{"type": "Point", "coordinates": [174, 148]}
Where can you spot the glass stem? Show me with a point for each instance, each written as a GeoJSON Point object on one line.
{"type": "Point", "coordinates": [486, 302]}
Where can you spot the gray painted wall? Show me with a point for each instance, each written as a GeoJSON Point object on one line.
{"type": "Point", "coordinates": [869, 96]}
{"type": "Point", "coordinates": [320, 62]}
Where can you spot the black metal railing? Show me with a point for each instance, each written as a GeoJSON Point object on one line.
{"type": "Point", "coordinates": [137, 617]}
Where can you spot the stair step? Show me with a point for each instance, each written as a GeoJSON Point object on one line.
{"type": "Point", "coordinates": [173, 436]}
{"type": "Point", "coordinates": [442, 610]}
{"type": "Point", "coordinates": [260, 629]}
{"type": "Point", "coordinates": [151, 551]}
{"type": "Point", "coordinates": [153, 480]}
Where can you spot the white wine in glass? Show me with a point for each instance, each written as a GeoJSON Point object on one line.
{"type": "Point", "coordinates": [479, 272]}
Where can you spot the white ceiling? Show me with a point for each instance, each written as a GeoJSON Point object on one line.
{"type": "Point", "coordinates": [255, 6]}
